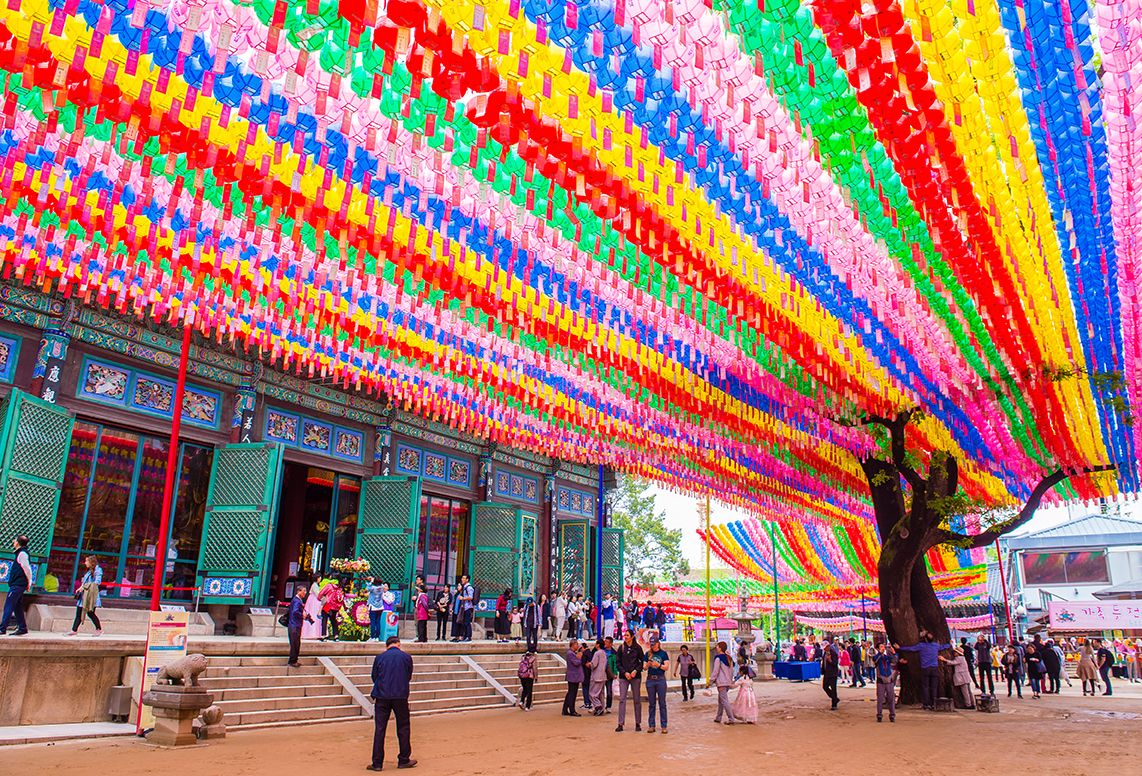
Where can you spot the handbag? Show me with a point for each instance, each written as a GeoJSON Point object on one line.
{"type": "Point", "coordinates": [694, 672]}
{"type": "Point", "coordinates": [284, 620]}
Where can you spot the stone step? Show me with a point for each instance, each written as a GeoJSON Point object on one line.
{"type": "Point", "coordinates": [230, 661]}
{"type": "Point", "coordinates": [426, 676]}
{"type": "Point", "coordinates": [288, 691]}
{"type": "Point", "coordinates": [278, 669]}
{"type": "Point", "coordinates": [297, 723]}
{"type": "Point", "coordinates": [266, 681]}
{"type": "Point", "coordinates": [273, 716]}
{"type": "Point", "coordinates": [417, 694]}
{"type": "Point", "coordinates": [459, 703]}
{"type": "Point", "coordinates": [455, 709]}
{"type": "Point", "coordinates": [290, 702]}
{"type": "Point", "coordinates": [53, 618]}
{"type": "Point", "coordinates": [443, 684]}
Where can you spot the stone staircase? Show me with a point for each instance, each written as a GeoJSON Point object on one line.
{"type": "Point", "coordinates": [257, 692]}
{"type": "Point", "coordinates": [550, 686]}
{"type": "Point", "coordinates": [440, 684]}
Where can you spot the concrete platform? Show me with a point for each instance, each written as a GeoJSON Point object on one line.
{"type": "Point", "coordinates": [42, 734]}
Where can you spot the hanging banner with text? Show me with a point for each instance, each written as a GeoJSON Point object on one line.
{"type": "Point", "coordinates": [1094, 615]}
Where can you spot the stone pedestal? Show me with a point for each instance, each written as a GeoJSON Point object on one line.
{"type": "Point", "coordinates": [175, 708]}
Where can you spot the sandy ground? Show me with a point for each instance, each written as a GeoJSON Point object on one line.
{"type": "Point", "coordinates": [795, 731]}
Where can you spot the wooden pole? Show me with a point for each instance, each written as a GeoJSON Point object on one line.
{"type": "Point", "coordinates": [708, 658]}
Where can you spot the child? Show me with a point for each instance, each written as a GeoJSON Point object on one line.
{"type": "Point", "coordinates": [745, 704]}
{"type": "Point", "coordinates": [517, 624]}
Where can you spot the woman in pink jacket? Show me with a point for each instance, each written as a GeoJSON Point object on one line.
{"type": "Point", "coordinates": [422, 607]}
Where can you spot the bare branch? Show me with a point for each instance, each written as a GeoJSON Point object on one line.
{"type": "Point", "coordinates": [944, 536]}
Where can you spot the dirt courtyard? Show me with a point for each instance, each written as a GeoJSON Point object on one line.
{"type": "Point", "coordinates": [795, 732]}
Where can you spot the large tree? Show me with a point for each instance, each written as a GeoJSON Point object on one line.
{"type": "Point", "coordinates": [914, 502]}
{"type": "Point", "coordinates": [653, 551]}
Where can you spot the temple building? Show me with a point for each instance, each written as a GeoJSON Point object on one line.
{"type": "Point", "coordinates": [277, 475]}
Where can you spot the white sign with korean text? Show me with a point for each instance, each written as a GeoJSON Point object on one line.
{"type": "Point", "coordinates": [1094, 615]}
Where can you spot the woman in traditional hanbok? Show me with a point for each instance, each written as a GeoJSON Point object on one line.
{"type": "Point", "coordinates": [311, 626]}
{"type": "Point", "coordinates": [745, 703]}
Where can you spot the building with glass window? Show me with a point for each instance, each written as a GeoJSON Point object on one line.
{"type": "Point", "coordinates": [276, 474]}
{"type": "Point", "coordinates": [1074, 561]}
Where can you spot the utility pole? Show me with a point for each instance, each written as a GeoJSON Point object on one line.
{"type": "Point", "coordinates": [707, 628]}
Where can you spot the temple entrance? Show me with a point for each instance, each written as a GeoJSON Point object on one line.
{"type": "Point", "coordinates": [317, 521]}
{"type": "Point", "coordinates": [442, 550]}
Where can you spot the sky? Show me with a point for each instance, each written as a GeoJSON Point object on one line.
{"type": "Point", "coordinates": [682, 512]}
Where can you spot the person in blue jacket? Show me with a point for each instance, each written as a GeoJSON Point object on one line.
{"type": "Point", "coordinates": [929, 652]}
{"type": "Point", "coordinates": [392, 674]}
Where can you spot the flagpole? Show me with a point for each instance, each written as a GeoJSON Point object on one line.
{"type": "Point", "coordinates": [707, 628]}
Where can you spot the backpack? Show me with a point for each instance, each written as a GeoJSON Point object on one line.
{"type": "Point", "coordinates": [525, 670]}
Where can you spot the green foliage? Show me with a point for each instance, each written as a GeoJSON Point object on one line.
{"type": "Point", "coordinates": [653, 551]}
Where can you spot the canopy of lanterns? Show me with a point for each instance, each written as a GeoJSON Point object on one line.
{"type": "Point", "coordinates": [689, 239]}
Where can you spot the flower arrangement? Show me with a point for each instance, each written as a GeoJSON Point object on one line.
{"type": "Point", "coordinates": [350, 565]}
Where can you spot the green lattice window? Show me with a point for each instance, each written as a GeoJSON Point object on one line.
{"type": "Point", "coordinates": [611, 562]}
{"type": "Point", "coordinates": [494, 556]}
{"type": "Point", "coordinates": [387, 530]}
{"type": "Point", "coordinates": [34, 444]}
{"type": "Point", "coordinates": [238, 528]}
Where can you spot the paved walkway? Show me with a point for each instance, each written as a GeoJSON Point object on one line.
{"type": "Point", "coordinates": [41, 734]}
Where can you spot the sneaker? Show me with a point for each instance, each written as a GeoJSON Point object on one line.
{"type": "Point", "coordinates": [663, 731]}
{"type": "Point", "coordinates": [618, 728]}
{"type": "Point", "coordinates": [25, 633]}
{"type": "Point", "coordinates": [878, 719]}
{"type": "Point", "coordinates": [409, 764]}
{"type": "Point", "coordinates": [99, 632]}
{"type": "Point", "coordinates": [892, 719]}
{"type": "Point", "coordinates": [371, 767]}
{"type": "Point", "coordinates": [637, 728]}
{"type": "Point", "coordinates": [72, 633]}
{"type": "Point", "coordinates": [651, 730]}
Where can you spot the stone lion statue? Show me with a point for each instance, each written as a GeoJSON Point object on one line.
{"type": "Point", "coordinates": [211, 715]}
{"type": "Point", "coordinates": [183, 671]}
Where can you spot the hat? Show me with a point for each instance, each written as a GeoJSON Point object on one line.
{"type": "Point", "coordinates": [652, 637]}
{"type": "Point", "coordinates": [958, 650]}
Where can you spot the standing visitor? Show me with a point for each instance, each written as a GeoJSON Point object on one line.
{"type": "Point", "coordinates": [1033, 662]}
{"type": "Point", "coordinates": [87, 596]}
{"type": "Point", "coordinates": [969, 655]}
{"type": "Point", "coordinates": [745, 703]}
{"type": "Point", "coordinates": [650, 616]}
{"type": "Point", "coordinates": [656, 662]}
{"type": "Point", "coordinates": [573, 616]}
{"type": "Point", "coordinates": [467, 608]}
{"type": "Point", "coordinates": [422, 613]}
{"type": "Point", "coordinates": [1057, 648]}
{"type": "Point", "coordinates": [457, 617]}
{"type": "Point", "coordinates": [630, 659]}
{"type": "Point", "coordinates": [800, 654]}
{"type": "Point", "coordinates": [590, 613]}
{"type": "Point", "coordinates": [1104, 658]}
{"type": "Point", "coordinates": [1051, 668]}
{"type": "Point", "coordinates": [559, 612]}
{"type": "Point", "coordinates": [588, 653]}
{"type": "Point", "coordinates": [830, 668]}
{"type": "Point", "coordinates": [983, 660]}
{"type": "Point", "coordinates": [1087, 670]}
{"type": "Point", "coordinates": [845, 666]}
{"type": "Point", "coordinates": [612, 669]}
{"type": "Point", "coordinates": [574, 678]}
{"type": "Point", "coordinates": [929, 652]}
{"type": "Point", "coordinates": [503, 624]}
{"type": "Point", "coordinates": [311, 628]}
{"type": "Point", "coordinates": [686, 668]}
{"type": "Point", "coordinates": [886, 670]}
{"type": "Point", "coordinates": [443, 604]}
{"type": "Point", "coordinates": [722, 677]}
{"type": "Point", "coordinates": [961, 676]}
{"type": "Point", "coordinates": [19, 580]}
{"type": "Point", "coordinates": [332, 598]}
{"type": "Point", "coordinates": [376, 603]}
{"type": "Point", "coordinates": [608, 609]}
{"type": "Point", "coordinates": [620, 619]}
{"type": "Point", "coordinates": [1013, 670]}
{"type": "Point", "coordinates": [598, 678]}
{"type": "Point", "coordinates": [545, 617]}
{"type": "Point", "coordinates": [531, 619]}
{"type": "Point", "coordinates": [528, 670]}
{"type": "Point", "coordinates": [392, 673]}
{"type": "Point", "coordinates": [296, 618]}
{"type": "Point", "coordinates": [857, 658]}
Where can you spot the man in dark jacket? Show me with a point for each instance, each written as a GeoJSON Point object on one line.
{"type": "Point", "coordinates": [1053, 666]}
{"type": "Point", "coordinates": [830, 668]}
{"type": "Point", "coordinates": [983, 660]}
{"type": "Point", "coordinates": [392, 673]}
{"type": "Point", "coordinates": [630, 659]}
{"type": "Point", "coordinates": [532, 619]}
{"type": "Point", "coordinates": [857, 663]}
{"type": "Point", "coordinates": [295, 618]}
{"type": "Point", "coordinates": [649, 615]}
{"type": "Point", "coordinates": [19, 580]}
